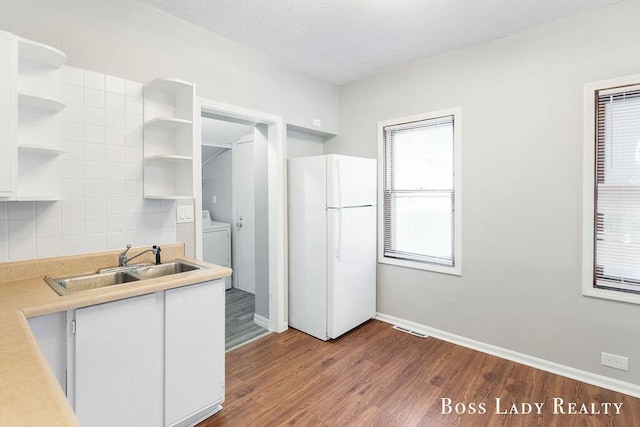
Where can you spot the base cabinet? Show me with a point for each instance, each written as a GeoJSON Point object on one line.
{"type": "Point", "coordinates": [194, 355]}
{"type": "Point", "coordinates": [153, 360]}
{"type": "Point", "coordinates": [118, 363]}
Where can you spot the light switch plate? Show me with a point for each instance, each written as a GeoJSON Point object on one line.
{"type": "Point", "coordinates": [184, 214]}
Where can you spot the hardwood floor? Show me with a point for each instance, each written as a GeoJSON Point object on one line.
{"type": "Point", "coordinates": [239, 325]}
{"type": "Point", "coordinates": [378, 376]}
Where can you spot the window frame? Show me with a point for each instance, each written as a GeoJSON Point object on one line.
{"type": "Point", "coordinates": [589, 189]}
{"type": "Point", "coordinates": [456, 269]}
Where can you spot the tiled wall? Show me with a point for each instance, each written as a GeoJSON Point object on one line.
{"type": "Point", "coordinates": [103, 205]}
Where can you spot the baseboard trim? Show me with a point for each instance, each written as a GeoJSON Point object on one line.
{"type": "Point", "coordinates": [261, 321]}
{"type": "Point", "coordinates": [514, 356]}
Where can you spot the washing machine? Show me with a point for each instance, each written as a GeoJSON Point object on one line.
{"type": "Point", "coordinates": [216, 244]}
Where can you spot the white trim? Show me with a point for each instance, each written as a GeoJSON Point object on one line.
{"type": "Point", "coordinates": [263, 322]}
{"type": "Point", "coordinates": [588, 190]}
{"type": "Point", "coordinates": [457, 167]}
{"type": "Point", "coordinates": [514, 356]}
{"type": "Point", "coordinates": [276, 163]}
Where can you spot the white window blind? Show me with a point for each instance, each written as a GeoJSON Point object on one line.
{"type": "Point", "coordinates": [617, 188]}
{"type": "Point", "coordinates": [419, 191]}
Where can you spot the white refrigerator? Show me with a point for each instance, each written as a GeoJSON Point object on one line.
{"type": "Point", "coordinates": [332, 243]}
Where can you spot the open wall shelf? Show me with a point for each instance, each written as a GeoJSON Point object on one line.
{"type": "Point", "coordinates": [168, 139]}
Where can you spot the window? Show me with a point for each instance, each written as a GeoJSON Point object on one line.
{"type": "Point", "coordinates": [420, 192]}
{"type": "Point", "coordinates": [612, 189]}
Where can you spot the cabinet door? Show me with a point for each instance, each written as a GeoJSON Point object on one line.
{"type": "Point", "coordinates": [118, 363]}
{"type": "Point", "coordinates": [8, 106]}
{"type": "Point", "coordinates": [194, 352]}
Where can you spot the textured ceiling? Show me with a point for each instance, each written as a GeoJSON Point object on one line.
{"type": "Point", "coordinates": [344, 40]}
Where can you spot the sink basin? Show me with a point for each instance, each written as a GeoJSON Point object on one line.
{"type": "Point", "coordinates": [84, 282]}
{"type": "Point", "coordinates": [161, 270]}
{"type": "Point", "coordinates": [116, 276]}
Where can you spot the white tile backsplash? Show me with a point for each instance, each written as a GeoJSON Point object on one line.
{"type": "Point", "coordinates": [49, 246]}
{"type": "Point", "coordinates": [94, 97]}
{"type": "Point", "coordinates": [115, 119]}
{"type": "Point", "coordinates": [115, 136]}
{"type": "Point", "coordinates": [20, 249]}
{"type": "Point", "coordinates": [94, 116]}
{"type": "Point", "coordinates": [21, 229]}
{"type": "Point", "coordinates": [114, 84]}
{"type": "Point", "coordinates": [21, 210]}
{"type": "Point", "coordinates": [94, 80]}
{"type": "Point", "coordinates": [48, 227]}
{"type": "Point", "coordinates": [72, 131]}
{"type": "Point", "coordinates": [133, 138]}
{"type": "Point", "coordinates": [114, 101]}
{"type": "Point", "coordinates": [73, 226]}
{"type": "Point", "coordinates": [72, 94]}
{"type": "Point", "coordinates": [103, 206]}
{"type": "Point", "coordinates": [134, 89]}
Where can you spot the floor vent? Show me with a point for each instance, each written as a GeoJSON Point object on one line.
{"type": "Point", "coordinates": [409, 331]}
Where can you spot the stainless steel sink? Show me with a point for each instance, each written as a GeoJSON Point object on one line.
{"type": "Point", "coordinates": [86, 281]}
{"type": "Point", "coordinates": [116, 276]}
{"type": "Point", "coordinates": [152, 271]}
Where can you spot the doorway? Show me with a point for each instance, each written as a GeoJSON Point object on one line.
{"type": "Point", "coordinates": [272, 241]}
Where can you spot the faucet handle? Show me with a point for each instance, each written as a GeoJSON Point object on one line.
{"type": "Point", "coordinates": [156, 251]}
{"type": "Point", "coordinates": [127, 249]}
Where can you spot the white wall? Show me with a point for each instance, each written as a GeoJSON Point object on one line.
{"type": "Point", "coordinates": [102, 206]}
{"type": "Point", "coordinates": [135, 41]}
{"type": "Point", "coordinates": [521, 100]}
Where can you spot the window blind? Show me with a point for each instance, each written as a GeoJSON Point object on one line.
{"type": "Point", "coordinates": [617, 187]}
{"type": "Point", "coordinates": [419, 191]}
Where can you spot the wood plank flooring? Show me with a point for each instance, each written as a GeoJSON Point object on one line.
{"type": "Point", "coordinates": [378, 376]}
{"type": "Point", "coordinates": [239, 324]}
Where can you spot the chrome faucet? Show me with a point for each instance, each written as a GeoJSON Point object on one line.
{"type": "Point", "coordinates": [123, 260]}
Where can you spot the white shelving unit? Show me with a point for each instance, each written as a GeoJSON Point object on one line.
{"type": "Point", "coordinates": [168, 139]}
{"type": "Point", "coordinates": [8, 113]}
{"type": "Point", "coordinates": [30, 89]}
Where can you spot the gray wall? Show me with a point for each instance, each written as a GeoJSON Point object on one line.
{"type": "Point", "coordinates": [522, 104]}
{"type": "Point", "coordinates": [135, 41]}
{"type": "Point", "coordinates": [300, 144]}
{"type": "Point", "coordinates": [216, 179]}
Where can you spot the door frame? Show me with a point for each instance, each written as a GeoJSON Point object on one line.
{"type": "Point", "coordinates": [276, 171]}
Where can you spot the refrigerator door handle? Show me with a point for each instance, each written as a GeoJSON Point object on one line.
{"type": "Point", "coordinates": [339, 231]}
{"type": "Point", "coordinates": [339, 186]}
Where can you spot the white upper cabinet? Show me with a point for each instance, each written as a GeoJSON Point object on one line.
{"type": "Point", "coordinates": [168, 139]}
{"type": "Point", "coordinates": [30, 103]}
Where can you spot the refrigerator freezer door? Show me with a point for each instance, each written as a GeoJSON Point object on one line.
{"type": "Point", "coordinates": [308, 245]}
{"type": "Point", "coordinates": [351, 181]}
{"type": "Point", "coordinates": [351, 272]}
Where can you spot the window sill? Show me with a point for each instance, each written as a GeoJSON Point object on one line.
{"type": "Point", "coordinates": [454, 271]}
{"type": "Point", "coordinates": [612, 295]}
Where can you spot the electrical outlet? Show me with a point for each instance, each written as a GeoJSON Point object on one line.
{"type": "Point", "coordinates": [214, 199]}
{"type": "Point", "coordinates": [317, 122]}
{"type": "Point", "coordinates": [614, 361]}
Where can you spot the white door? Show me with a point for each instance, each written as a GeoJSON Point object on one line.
{"type": "Point", "coordinates": [244, 228]}
{"type": "Point", "coordinates": [351, 268]}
